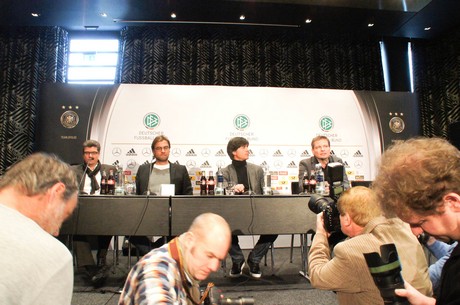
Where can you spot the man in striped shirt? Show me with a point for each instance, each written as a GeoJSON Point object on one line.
{"type": "Point", "coordinates": [171, 274]}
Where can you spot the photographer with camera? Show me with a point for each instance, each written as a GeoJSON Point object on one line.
{"type": "Point", "coordinates": [171, 274]}
{"type": "Point", "coordinates": [419, 180]}
{"type": "Point", "coordinates": [347, 272]}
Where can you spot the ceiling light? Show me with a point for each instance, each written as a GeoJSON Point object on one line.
{"type": "Point", "coordinates": [103, 14]}
{"type": "Point", "coordinates": [173, 15]}
{"type": "Point", "coordinates": [370, 25]}
{"type": "Point", "coordinates": [308, 20]}
{"type": "Point", "coordinates": [91, 27]}
{"type": "Point", "coordinates": [242, 17]}
{"type": "Point", "coordinates": [427, 28]}
{"type": "Point", "coordinates": [35, 14]}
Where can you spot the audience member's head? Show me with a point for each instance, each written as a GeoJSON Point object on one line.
{"type": "Point", "coordinates": [419, 181]}
{"type": "Point", "coordinates": [357, 206]}
{"type": "Point", "coordinates": [41, 187]}
{"type": "Point", "coordinates": [205, 244]}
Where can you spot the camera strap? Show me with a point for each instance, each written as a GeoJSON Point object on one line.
{"type": "Point", "coordinates": [173, 248]}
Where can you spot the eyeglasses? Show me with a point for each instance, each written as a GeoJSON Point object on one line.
{"type": "Point", "coordinates": [89, 153]}
{"type": "Point", "coordinates": [165, 148]}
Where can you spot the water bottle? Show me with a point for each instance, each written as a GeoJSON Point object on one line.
{"type": "Point", "coordinates": [320, 188]}
{"type": "Point", "coordinates": [219, 190]}
{"type": "Point", "coordinates": [267, 190]}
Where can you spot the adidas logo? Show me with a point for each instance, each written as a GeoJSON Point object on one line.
{"type": "Point", "coordinates": [131, 152]}
{"type": "Point", "coordinates": [205, 165]}
{"type": "Point", "coordinates": [221, 153]}
{"type": "Point", "coordinates": [292, 165]}
{"type": "Point", "coordinates": [277, 153]}
{"type": "Point", "coordinates": [116, 163]}
{"type": "Point", "coordinates": [358, 154]}
{"type": "Point", "coordinates": [251, 153]}
{"type": "Point", "coordinates": [332, 152]}
{"type": "Point", "coordinates": [264, 164]}
{"type": "Point", "coordinates": [146, 162]}
{"type": "Point", "coordinates": [345, 164]}
{"type": "Point", "coordinates": [305, 154]}
{"type": "Point", "coordinates": [190, 153]}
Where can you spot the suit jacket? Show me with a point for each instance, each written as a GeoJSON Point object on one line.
{"type": "Point", "coordinates": [309, 165]}
{"type": "Point", "coordinates": [81, 177]}
{"type": "Point", "coordinates": [255, 176]}
{"type": "Point", "coordinates": [178, 176]}
{"type": "Point", "coordinates": [347, 272]}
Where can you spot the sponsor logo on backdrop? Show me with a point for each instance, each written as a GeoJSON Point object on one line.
{"type": "Point", "coordinates": [345, 164]}
{"type": "Point", "coordinates": [241, 122]}
{"type": "Point", "coordinates": [264, 164]}
{"type": "Point", "coordinates": [326, 123]}
{"type": "Point", "coordinates": [251, 154]}
{"type": "Point", "coordinates": [277, 153]}
{"type": "Point", "coordinates": [131, 152]}
{"type": "Point", "coordinates": [190, 164]}
{"type": "Point", "coordinates": [206, 164]}
{"type": "Point", "coordinates": [291, 153]}
{"type": "Point", "coordinates": [305, 153]}
{"type": "Point", "coordinates": [190, 153]}
{"type": "Point", "coordinates": [344, 153]}
{"type": "Point", "coordinates": [151, 120]}
{"type": "Point", "coordinates": [131, 163]}
{"type": "Point", "coordinates": [116, 151]}
{"type": "Point", "coordinates": [116, 163]}
{"type": "Point", "coordinates": [70, 119]}
{"type": "Point", "coordinates": [292, 165]}
{"type": "Point", "coordinates": [221, 153]}
{"type": "Point", "coordinates": [278, 164]}
{"type": "Point", "coordinates": [146, 151]}
{"type": "Point", "coordinates": [332, 152]}
{"type": "Point", "coordinates": [358, 164]}
{"type": "Point", "coordinates": [358, 154]}
{"type": "Point", "coordinates": [397, 124]}
{"type": "Point", "coordinates": [220, 163]}
{"type": "Point", "coordinates": [206, 152]}
{"type": "Point", "coordinates": [176, 152]}
{"type": "Point", "coordinates": [263, 153]}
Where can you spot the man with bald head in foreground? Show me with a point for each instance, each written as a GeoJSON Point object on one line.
{"type": "Point", "coordinates": [171, 274]}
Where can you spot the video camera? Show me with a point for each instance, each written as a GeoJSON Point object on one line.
{"type": "Point", "coordinates": [328, 205]}
{"type": "Point", "coordinates": [216, 297]}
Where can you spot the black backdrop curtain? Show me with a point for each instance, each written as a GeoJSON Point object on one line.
{"type": "Point", "coordinates": [28, 57]}
{"type": "Point", "coordinates": [246, 56]}
{"type": "Point", "coordinates": [437, 81]}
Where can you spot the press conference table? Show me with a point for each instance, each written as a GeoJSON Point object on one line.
{"type": "Point", "coordinates": [171, 216]}
{"type": "Point", "coordinates": [161, 216]}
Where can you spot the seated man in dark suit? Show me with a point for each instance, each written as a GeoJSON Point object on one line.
{"type": "Point", "coordinates": [89, 175]}
{"type": "Point", "coordinates": [149, 178]}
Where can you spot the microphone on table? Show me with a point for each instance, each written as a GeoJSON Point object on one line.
{"type": "Point", "coordinates": [147, 192]}
{"type": "Point", "coordinates": [81, 181]}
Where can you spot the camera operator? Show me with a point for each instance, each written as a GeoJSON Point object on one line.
{"type": "Point", "coordinates": [171, 274]}
{"type": "Point", "coordinates": [347, 272]}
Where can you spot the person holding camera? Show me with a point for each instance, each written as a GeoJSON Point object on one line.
{"type": "Point", "coordinates": [419, 181]}
{"type": "Point", "coordinates": [367, 229]}
{"type": "Point", "coordinates": [171, 274]}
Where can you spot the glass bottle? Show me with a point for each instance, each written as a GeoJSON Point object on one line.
{"type": "Point", "coordinates": [203, 184]}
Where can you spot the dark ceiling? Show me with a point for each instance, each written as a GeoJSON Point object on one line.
{"type": "Point", "coordinates": [394, 18]}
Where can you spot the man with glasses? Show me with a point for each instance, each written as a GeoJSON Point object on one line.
{"type": "Point", "coordinates": [149, 178]}
{"type": "Point", "coordinates": [89, 175]}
